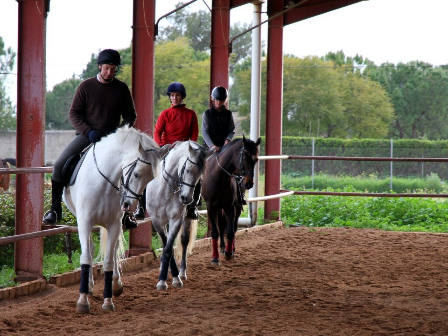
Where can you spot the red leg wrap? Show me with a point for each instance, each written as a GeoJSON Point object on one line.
{"type": "Point", "coordinates": [230, 245]}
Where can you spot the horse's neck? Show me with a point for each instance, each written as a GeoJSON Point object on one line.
{"type": "Point", "coordinates": [227, 160]}
{"type": "Point", "coordinates": [108, 160]}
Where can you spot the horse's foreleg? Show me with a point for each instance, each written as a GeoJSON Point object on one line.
{"type": "Point", "coordinates": [169, 260]}
{"type": "Point", "coordinates": [212, 215]}
{"type": "Point", "coordinates": [83, 305]}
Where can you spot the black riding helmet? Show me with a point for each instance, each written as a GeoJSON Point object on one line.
{"type": "Point", "coordinates": [219, 93]}
{"type": "Point", "coordinates": [109, 56]}
{"type": "Point", "coordinates": [177, 87]}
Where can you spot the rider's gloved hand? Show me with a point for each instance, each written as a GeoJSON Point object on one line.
{"type": "Point", "coordinates": [94, 136]}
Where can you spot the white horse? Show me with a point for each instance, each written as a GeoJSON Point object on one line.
{"type": "Point", "coordinates": [111, 179]}
{"type": "Point", "coordinates": [166, 199]}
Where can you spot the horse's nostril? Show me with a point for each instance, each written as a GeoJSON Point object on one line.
{"type": "Point", "coordinates": [125, 205]}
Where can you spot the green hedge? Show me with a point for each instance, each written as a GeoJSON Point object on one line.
{"type": "Point", "coordinates": [364, 148]}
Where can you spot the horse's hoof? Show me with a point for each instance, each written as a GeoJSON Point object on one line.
{"type": "Point", "coordinates": [161, 285]}
{"type": "Point", "coordinates": [183, 275]}
{"type": "Point", "coordinates": [177, 282]}
{"type": "Point", "coordinates": [215, 262]}
{"type": "Point", "coordinates": [117, 292]}
{"type": "Point", "coordinates": [108, 306]}
{"type": "Point", "coordinates": [229, 256]}
{"type": "Point", "coordinates": [83, 308]}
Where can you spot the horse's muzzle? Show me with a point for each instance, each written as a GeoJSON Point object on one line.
{"type": "Point", "coordinates": [248, 184]}
{"type": "Point", "coordinates": [125, 206]}
{"type": "Point", "coordinates": [185, 200]}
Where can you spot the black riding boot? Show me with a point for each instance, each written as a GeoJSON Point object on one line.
{"type": "Point", "coordinates": [192, 211]}
{"type": "Point", "coordinates": [141, 209]}
{"type": "Point", "coordinates": [54, 215]}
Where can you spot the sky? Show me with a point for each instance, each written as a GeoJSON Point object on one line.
{"type": "Point", "coordinates": [381, 30]}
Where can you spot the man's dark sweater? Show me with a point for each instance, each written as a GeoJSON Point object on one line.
{"type": "Point", "coordinates": [99, 106]}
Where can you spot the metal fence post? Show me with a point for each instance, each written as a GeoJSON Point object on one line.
{"type": "Point", "coordinates": [391, 163]}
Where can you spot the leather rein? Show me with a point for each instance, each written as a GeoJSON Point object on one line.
{"type": "Point", "coordinates": [124, 184]}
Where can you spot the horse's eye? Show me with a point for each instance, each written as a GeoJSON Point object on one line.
{"type": "Point", "coordinates": [136, 175]}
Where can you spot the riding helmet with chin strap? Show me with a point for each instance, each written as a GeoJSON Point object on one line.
{"type": "Point", "coordinates": [219, 93]}
{"type": "Point", "coordinates": [109, 56]}
{"type": "Point", "coordinates": [177, 87]}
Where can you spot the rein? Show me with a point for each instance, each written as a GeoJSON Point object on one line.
{"type": "Point", "coordinates": [240, 177]}
{"type": "Point", "coordinates": [180, 181]}
{"type": "Point", "coordinates": [124, 184]}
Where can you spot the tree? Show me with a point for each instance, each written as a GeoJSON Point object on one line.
{"type": "Point", "coordinates": [196, 27]}
{"type": "Point", "coordinates": [8, 118]}
{"type": "Point", "coordinates": [321, 98]}
{"type": "Point", "coordinates": [58, 104]}
{"type": "Point", "coordinates": [419, 94]}
{"type": "Point", "coordinates": [176, 62]}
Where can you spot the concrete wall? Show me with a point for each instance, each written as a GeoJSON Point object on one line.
{"type": "Point", "coordinates": [55, 142]}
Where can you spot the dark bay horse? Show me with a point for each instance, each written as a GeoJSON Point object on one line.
{"type": "Point", "coordinates": [229, 173]}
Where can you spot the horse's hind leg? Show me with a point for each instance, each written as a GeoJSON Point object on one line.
{"type": "Point", "coordinates": [222, 230]}
{"type": "Point", "coordinates": [84, 229]}
{"type": "Point", "coordinates": [109, 265]}
{"type": "Point", "coordinates": [117, 285]}
{"type": "Point", "coordinates": [185, 240]}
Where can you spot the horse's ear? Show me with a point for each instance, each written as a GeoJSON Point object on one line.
{"type": "Point", "coordinates": [258, 142]}
{"type": "Point", "coordinates": [165, 149]}
{"type": "Point", "coordinates": [244, 139]}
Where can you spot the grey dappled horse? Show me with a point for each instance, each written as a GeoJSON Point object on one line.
{"type": "Point", "coordinates": [166, 199]}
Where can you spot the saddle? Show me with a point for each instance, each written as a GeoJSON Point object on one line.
{"type": "Point", "coordinates": [72, 165]}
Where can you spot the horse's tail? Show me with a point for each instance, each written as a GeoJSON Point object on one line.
{"type": "Point", "coordinates": [193, 224]}
{"type": "Point", "coordinates": [103, 246]}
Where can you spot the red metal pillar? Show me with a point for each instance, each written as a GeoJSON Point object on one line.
{"type": "Point", "coordinates": [143, 93]}
{"type": "Point", "coordinates": [274, 106]}
{"type": "Point", "coordinates": [30, 136]}
{"type": "Point", "coordinates": [219, 71]}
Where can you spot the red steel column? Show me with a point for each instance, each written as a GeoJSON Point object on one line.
{"type": "Point", "coordinates": [143, 93]}
{"type": "Point", "coordinates": [274, 106]}
{"type": "Point", "coordinates": [30, 136]}
{"type": "Point", "coordinates": [219, 71]}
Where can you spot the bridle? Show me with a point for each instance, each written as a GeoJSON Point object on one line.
{"type": "Point", "coordinates": [124, 184]}
{"type": "Point", "coordinates": [240, 177]}
{"type": "Point", "coordinates": [179, 182]}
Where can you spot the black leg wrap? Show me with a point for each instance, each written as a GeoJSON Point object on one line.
{"type": "Point", "coordinates": [173, 267]}
{"type": "Point", "coordinates": [84, 287]}
{"type": "Point", "coordinates": [164, 269]}
{"type": "Point", "coordinates": [107, 293]}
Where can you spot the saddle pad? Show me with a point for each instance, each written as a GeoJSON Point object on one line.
{"type": "Point", "coordinates": [76, 170]}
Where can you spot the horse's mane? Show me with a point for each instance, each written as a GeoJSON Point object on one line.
{"type": "Point", "coordinates": [231, 144]}
{"type": "Point", "coordinates": [130, 137]}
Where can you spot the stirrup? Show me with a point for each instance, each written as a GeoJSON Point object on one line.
{"type": "Point", "coordinates": [50, 217]}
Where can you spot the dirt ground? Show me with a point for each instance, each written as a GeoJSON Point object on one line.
{"type": "Point", "coordinates": [296, 281]}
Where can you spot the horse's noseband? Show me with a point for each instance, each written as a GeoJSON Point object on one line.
{"type": "Point", "coordinates": [180, 178]}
